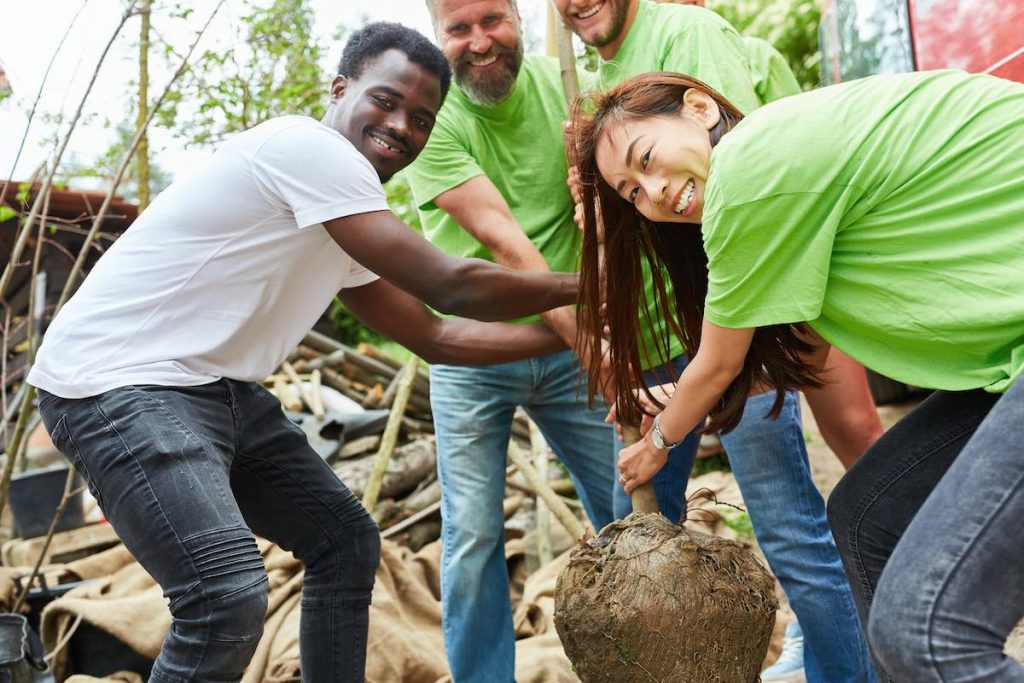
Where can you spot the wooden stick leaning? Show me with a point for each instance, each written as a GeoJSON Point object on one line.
{"type": "Point", "coordinates": [540, 456]}
{"type": "Point", "coordinates": [68, 494]}
{"type": "Point", "coordinates": [387, 442]}
{"type": "Point", "coordinates": [541, 489]}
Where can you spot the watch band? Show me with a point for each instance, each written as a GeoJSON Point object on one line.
{"type": "Point", "coordinates": [658, 438]}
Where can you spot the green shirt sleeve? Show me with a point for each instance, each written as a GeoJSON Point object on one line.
{"type": "Point", "coordinates": [768, 259]}
{"type": "Point", "coordinates": [716, 56]}
{"type": "Point", "coordinates": [444, 163]}
{"type": "Point", "coordinates": [769, 70]}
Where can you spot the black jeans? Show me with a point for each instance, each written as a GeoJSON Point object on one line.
{"type": "Point", "coordinates": [928, 523]}
{"type": "Point", "coordinates": [186, 475]}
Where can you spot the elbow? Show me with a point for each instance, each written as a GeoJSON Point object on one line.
{"type": "Point", "coordinates": [720, 375]}
{"type": "Point", "coordinates": [456, 292]}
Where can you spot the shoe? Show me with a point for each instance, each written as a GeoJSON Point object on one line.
{"type": "Point", "coordinates": [789, 667]}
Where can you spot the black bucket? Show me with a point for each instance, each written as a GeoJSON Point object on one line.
{"type": "Point", "coordinates": [34, 498]}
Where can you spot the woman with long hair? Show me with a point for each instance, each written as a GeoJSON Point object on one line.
{"type": "Point", "coordinates": [884, 216]}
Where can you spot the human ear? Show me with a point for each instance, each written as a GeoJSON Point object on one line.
{"type": "Point", "coordinates": [338, 86]}
{"type": "Point", "coordinates": [702, 107]}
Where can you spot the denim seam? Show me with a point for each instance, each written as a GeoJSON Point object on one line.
{"type": "Point", "coordinates": [959, 561]}
{"type": "Point", "coordinates": [127, 449]}
{"type": "Point", "coordinates": [321, 548]}
{"type": "Point", "coordinates": [910, 462]}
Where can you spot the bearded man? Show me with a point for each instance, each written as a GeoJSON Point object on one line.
{"type": "Point", "coordinates": [491, 183]}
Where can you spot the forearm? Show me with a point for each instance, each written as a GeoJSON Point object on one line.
{"type": "Point", "coordinates": [486, 291]}
{"type": "Point", "coordinates": [699, 388]}
{"type": "Point", "coordinates": [458, 341]}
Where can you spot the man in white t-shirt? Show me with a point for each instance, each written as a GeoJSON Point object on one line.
{"type": "Point", "coordinates": [148, 378]}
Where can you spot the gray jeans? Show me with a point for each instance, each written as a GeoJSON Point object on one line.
{"type": "Point", "coordinates": [928, 523]}
{"type": "Point", "coordinates": [186, 476]}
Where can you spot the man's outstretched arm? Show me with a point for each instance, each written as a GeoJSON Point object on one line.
{"type": "Point", "coordinates": [471, 288]}
{"type": "Point", "coordinates": [479, 208]}
{"type": "Point", "coordinates": [456, 341]}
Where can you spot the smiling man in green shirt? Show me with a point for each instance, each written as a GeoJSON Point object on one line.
{"type": "Point", "coordinates": [491, 183]}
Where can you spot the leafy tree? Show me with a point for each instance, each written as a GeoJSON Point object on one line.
{"type": "Point", "coordinates": [274, 67]}
{"type": "Point", "coordinates": [790, 25]}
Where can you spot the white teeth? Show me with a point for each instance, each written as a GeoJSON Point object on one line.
{"type": "Point", "coordinates": [483, 60]}
{"type": "Point", "coordinates": [684, 199]}
{"type": "Point", "coordinates": [591, 12]}
{"type": "Point", "coordinates": [384, 144]}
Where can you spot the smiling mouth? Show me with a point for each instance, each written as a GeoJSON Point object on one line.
{"type": "Point", "coordinates": [590, 12]}
{"type": "Point", "coordinates": [482, 60]}
{"type": "Point", "coordinates": [385, 145]}
{"type": "Point", "coordinates": [686, 198]}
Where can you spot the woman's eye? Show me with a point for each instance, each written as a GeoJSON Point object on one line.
{"type": "Point", "coordinates": [645, 159]}
{"type": "Point", "coordinates": [633, 194]}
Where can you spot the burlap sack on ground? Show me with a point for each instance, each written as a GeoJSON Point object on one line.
{"type": "Point", "coordinates": [404, 643]}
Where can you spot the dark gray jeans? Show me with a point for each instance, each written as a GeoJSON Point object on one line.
{"type": "Point", "coordinates": [928, 523]}
{"type": "Point", "coordinates": [186, 476]}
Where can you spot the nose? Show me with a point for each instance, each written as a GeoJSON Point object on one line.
{"type": "Point", "coordinates": [398, 125]}
{"type": "Point", "coordinates": [479, 41]}
{"type": "Point", "coordinates": [655, 189]}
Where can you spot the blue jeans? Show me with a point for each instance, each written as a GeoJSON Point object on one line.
{"type": "Point", "coordinates": [670, 481]}
{"type": "Point", "coordinates": [769, 460]}
{"type": "Point", "coordinates": [928, 522]}
{"type": "Point", "coordinates": [186, 475]}
{"type": "Point", "coordinates": [473, 410]}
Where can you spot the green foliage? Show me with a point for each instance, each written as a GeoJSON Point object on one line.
{"type": "Point", "coordinates": [790, 25]}
{"type": "Point", "coordinates": [738, 521]}
{"type": "Point", "coordinates": [106, 165]}
{"type": "Point", "coordinates": [400, 199]}
{"type": "Point", "coordinates": [6, 213]}
{"type": "Point", "coordinates": [712, 463]}
{"type": "Point", "coordinates": [272, 68]}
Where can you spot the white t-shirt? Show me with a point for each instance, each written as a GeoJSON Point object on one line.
{"type": "Point", "coordinates": [223, 274]}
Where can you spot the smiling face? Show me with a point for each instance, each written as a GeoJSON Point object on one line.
{"type": "Point", "coordinates": [387, 112]}
{"type": "Point", "coordinates": [482, 42]}
{"type": "Point", "coordinates": [601, 23]}
{"type": "Point", "coordinates": [661, 163]}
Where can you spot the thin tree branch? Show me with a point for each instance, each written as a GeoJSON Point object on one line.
{"type": "Point", "coordinates": [39, 94]}
{"type": "Point", "coordinates": [101, 215]}
{"type": "Point", "coordinates": [19, 246]}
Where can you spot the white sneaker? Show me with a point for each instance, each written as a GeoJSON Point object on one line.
{"type": "Point", "coordinates": [789, 667]}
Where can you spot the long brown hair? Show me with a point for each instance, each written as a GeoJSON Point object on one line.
{"type": "Point", "coordinates": [775, 359]}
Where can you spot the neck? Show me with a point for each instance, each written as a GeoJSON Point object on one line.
{"type": "Point", "coordinates": [609, 50]}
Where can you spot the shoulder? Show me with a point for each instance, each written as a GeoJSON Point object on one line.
{"type": "Point", "coordinates": [304, 145]}
{"type": "Point", "coordinates": [541, 74]}
{"type": "Point", "coordinates": [685, 19]}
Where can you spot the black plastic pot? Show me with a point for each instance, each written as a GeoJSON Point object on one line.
{"type": "Point", "coordinates": [34, 497]}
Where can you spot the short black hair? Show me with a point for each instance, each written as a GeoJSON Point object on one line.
{"type": "Point", "coordinates": [376, 38]}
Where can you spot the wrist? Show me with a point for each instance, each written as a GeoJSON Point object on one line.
{"type": "Point", "coordinates": [659, 438]}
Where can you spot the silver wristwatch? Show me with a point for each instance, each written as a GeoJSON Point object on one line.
{"type": "Point", "coordinates": [658, 439]}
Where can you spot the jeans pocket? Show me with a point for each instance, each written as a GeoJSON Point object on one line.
{"type": "Point", "coordinates": [65, 443]}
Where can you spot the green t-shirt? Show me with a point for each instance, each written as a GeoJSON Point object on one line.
{"type": "Point", "coordinates": [888, 213]}
{"type": "Point", "coordinates": [769, 71]}
{"type": "Point", "coordinates": [692, 41]}
{"type": "Point", "coordinates": [688, 40]}
{"type": "Point", "coordinates": [518, 145]}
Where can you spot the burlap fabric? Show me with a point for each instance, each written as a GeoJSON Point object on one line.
{"type": "Point", "coordinates": [404, 644]}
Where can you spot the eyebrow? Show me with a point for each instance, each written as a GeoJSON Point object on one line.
{"type": "Point", "coordinates": [629, 161]}
{"type": "Point", "coordinates": [389, 90]}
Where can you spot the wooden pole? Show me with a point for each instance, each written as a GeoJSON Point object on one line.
{"type": "Point", "coordinates": [390, 437]}
{"type": "Point", "coordinates": [541, 488]}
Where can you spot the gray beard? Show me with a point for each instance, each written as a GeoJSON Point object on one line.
{"type": "Point", "coordinates": [492, 89]}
